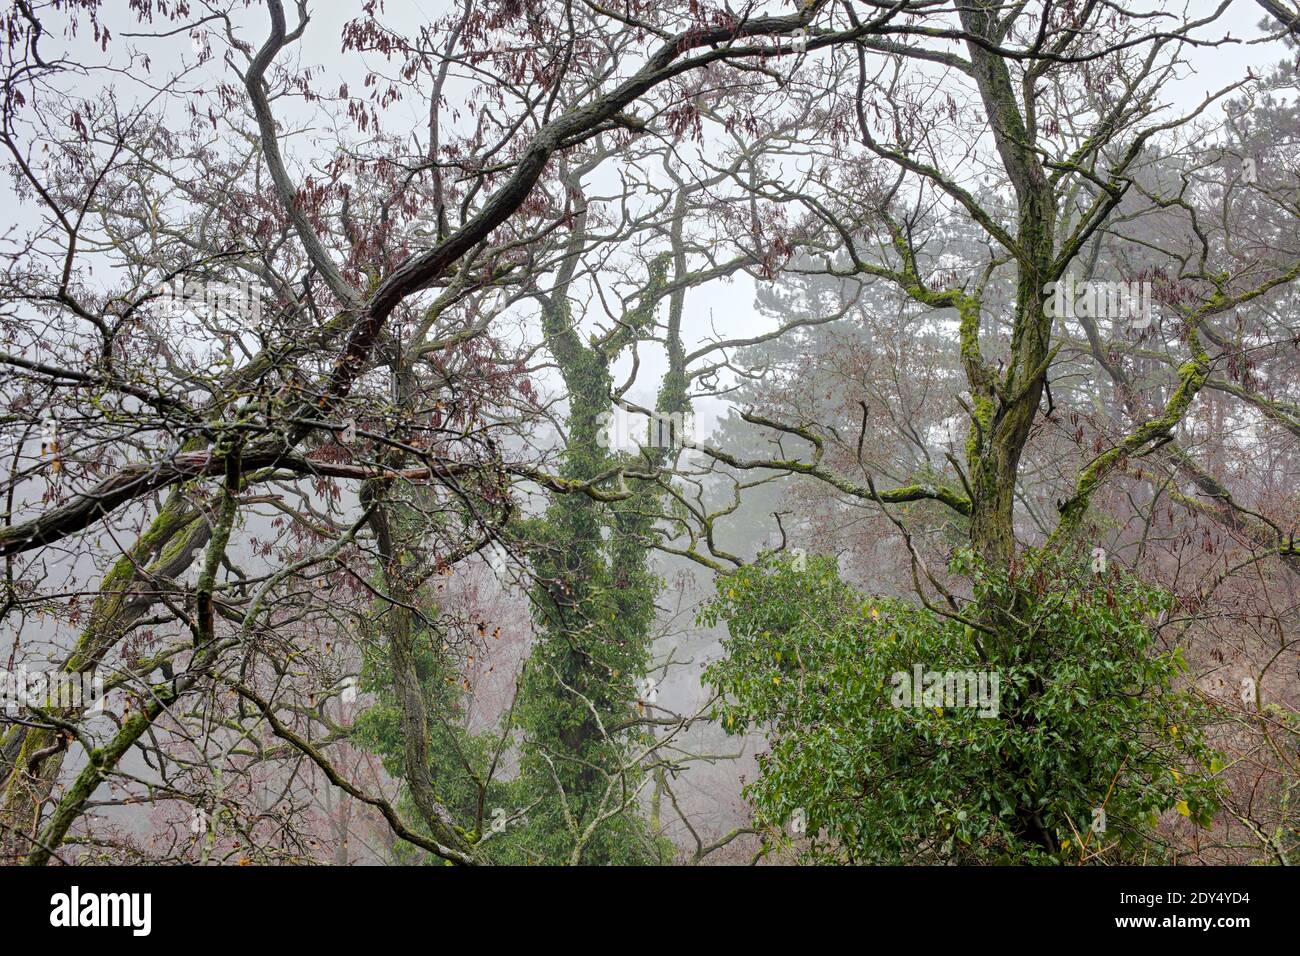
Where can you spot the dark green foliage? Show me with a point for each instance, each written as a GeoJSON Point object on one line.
{"type": "Point", "coordinates": [1091, 714]}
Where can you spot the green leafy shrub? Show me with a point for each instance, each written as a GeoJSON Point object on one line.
{"type": "Point", "coordinates": [1091, 716]}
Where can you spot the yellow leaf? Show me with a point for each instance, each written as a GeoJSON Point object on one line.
{"type": "Point", "coordinates": [1183, 808]}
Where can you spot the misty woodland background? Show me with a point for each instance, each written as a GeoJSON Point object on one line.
{"type": "Point", "coordinates": [330, 333]}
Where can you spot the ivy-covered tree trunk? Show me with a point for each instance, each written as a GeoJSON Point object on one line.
{"type": "Point", "coordinates": [403, 576]}
{"type": "Point", "coordinates": [593, 608]}
{"type": "Point", "coordinates": [594, 595]}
